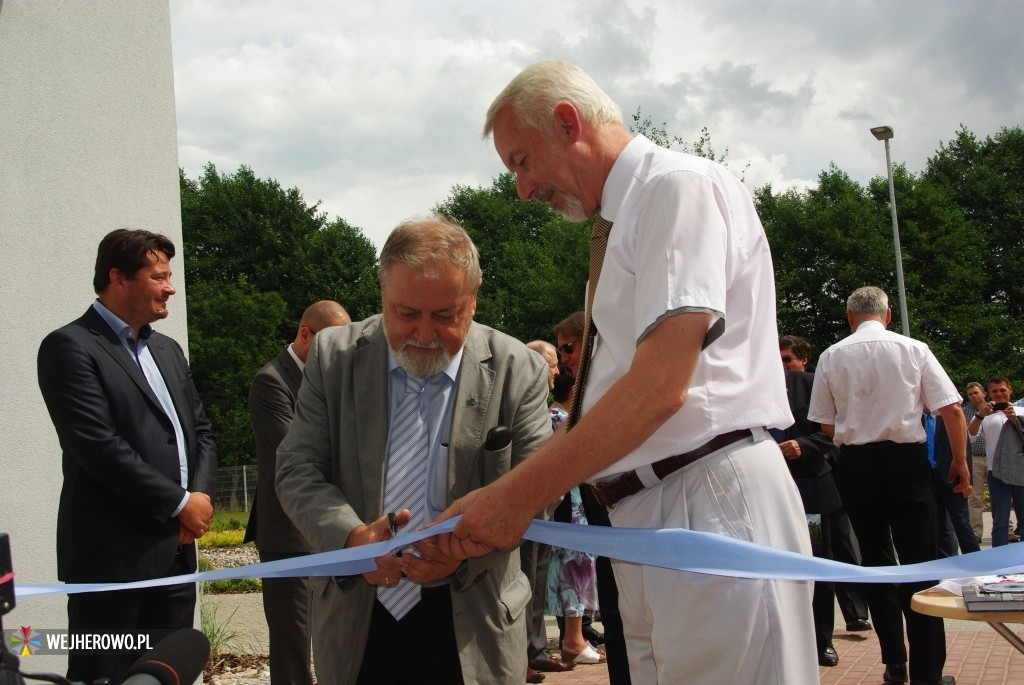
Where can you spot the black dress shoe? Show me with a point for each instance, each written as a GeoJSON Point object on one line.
{"type": "Point", "coordinates": [895, 674]}
{"type": "Point", "coordinates": [945, 680]}
{"type": "Point", "coordinates": [859, 625]}
{"type": "Point", "coordinates": [551, 665]}
{"type": "Point", "coordinates": [828, 656]}
{"type": "Point", "coordinates": [592, 636]}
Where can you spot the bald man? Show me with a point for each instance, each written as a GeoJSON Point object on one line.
{"type": "Point", "coordinates": [272, 405]}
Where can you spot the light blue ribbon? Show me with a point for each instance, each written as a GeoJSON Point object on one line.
{"type": "Point", "coordinates": [682, 550]}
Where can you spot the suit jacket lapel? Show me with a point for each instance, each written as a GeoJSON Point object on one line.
{"type": "Point", "coordinates": [112, 345]}
{"type": "Point", "coordinates": [370, 373]}
{"type": "Point", "coordinates": [165, 362]}
{"type": "Point", "coordinates": [472, 399]}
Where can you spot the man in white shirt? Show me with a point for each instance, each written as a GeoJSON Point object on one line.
{"type": "Point", "coordinates": [869, 392]}
{"type": "Point", "coordinates": [683, 379]}
{"type": "Point", "coordinates": [988, 422]}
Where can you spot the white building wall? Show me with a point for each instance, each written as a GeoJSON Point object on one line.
{"type": "Point", "coordinates": [87, 144]}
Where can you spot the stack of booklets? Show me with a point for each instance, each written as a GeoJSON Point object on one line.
{"type": "Point", "coordinates": [995, 593]}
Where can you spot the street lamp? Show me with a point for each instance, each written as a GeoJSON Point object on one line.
{"type": "Point", "coordinates": [885, 133]}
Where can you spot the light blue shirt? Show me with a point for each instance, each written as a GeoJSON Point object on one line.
{"type": "Point", "coordinates": [440, 400]}
{"type": "Point", "coordinates": [140, 354]}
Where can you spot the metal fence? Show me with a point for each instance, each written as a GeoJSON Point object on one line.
{"type": "Point", "coordinates": [236, 486]}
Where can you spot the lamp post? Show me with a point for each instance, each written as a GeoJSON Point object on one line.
{"type": "Point", "coordinates": [885, 133]}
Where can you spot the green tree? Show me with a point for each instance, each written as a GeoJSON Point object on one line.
{"type": "Point", "coordinates": [256, 255]}
{"type": "Point", "coordinates": [232, 333]}
{"type": "Point", "coordinates": [534, 261]}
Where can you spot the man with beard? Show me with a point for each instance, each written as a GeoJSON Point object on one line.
{"type": "Point", "coordinates": [398, 416]}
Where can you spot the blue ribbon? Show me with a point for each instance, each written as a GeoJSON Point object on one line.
{"type": "Point", "coordinates": [682, 550]}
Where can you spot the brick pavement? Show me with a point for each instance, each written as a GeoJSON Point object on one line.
{"type": "Point", "coordinates": [976, 655]}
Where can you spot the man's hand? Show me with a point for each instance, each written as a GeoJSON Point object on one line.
{"type": "Point", "coordinates": [430, 565]}
{"type": "Point", "coordinates": [196, 514]}
{"type": "Point", "coordinates": [958, 469]}
{"type": "Point", "coordinates": [791, 450]}
{"type": "Point", "coordinates": [489, 521]}
{"type": "Point", "coordinates": [185, 536]}
{"type": "Point", "coordinates": [389, 567]}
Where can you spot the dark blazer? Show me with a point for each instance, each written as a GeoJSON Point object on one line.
{"type": "Point", "coordinates": [120, 460]}
{"type": "Point", "coordinates": [943, 453]}
{"type": "Point", "coordinates": [330, 479]}
{"type": "Point", "coordinates": [272, 407]}
{"type": "Point", "coordinates": [812, 472]}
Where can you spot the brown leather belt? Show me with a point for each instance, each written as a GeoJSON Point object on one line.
{"type": "Point", "coordinates": [614, 491]}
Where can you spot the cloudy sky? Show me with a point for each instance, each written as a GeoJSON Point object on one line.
{"type": "Point", "coordinates": [375, 109]}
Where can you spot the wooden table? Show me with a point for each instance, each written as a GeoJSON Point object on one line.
{"type": "Point", "coordinates": [947, 606]}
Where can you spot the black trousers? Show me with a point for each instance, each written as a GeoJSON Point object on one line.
{"type": "Point", "coordinates": [844, 548]}
{"type": "Point", "coordinates": [286, 604]}
{"type": "Point", "coordinates": [888, 492]}
{"type": "Point", "coordinates": [418, 650]}
{"type": "Point", "coordinates": [156, 611]}
{"type": "Point", "coordinates": [608, 597]}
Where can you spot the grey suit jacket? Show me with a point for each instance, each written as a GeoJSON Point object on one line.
{"type": "Point", "coordinates": [272, 397]}
{"type": "Point", "coordinates": [331, 479]}
{"type": "Point", "coordinates": [120, 455]}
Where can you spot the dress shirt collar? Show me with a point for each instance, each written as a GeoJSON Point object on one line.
{"type": "Point", "coordinates": [123, 330]}
{"type": "Point", "coordinates": [621, 176]}
{"type": "Point", "coordinates": [295, 358]}
{"type": "Point", "coordinates": [870, 323]}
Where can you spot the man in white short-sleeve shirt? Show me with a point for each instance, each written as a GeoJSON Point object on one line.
{"type": "Point", "coordinates": [684, 378]}
{"type": "Point", "coordinates": [869, 391]}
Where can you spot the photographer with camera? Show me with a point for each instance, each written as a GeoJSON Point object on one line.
{"type": "Point", "coordinates": [988, 423]}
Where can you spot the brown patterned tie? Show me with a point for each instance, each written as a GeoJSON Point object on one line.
{"type": "Point", "coordinates": [598, 244]}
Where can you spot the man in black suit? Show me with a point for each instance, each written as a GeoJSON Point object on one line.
{"type": "Point", "coordinates": [796, 355]}
{"type": "Point", "coordinates": [272, 406]}
{"type": "Point", "coordinates": [804, 446]}
{"type": "Point", "coordinates": [139, 459]}
{"type": "Point", "coordinates": [954, 517]}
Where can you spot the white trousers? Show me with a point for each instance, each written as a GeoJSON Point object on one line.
{"type": "Point", "coordinates": [693, 628]}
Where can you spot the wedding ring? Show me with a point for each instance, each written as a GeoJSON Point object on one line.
{"type": "Point", "coordinates": [387, 581]}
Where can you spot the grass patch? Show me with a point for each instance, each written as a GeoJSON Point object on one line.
{"type": "Point", "coordinates": [217, 632]}
{"type": "Point", "coordinates": [229, 520]}
{"type": "Point", "coordinates": [221, 538]}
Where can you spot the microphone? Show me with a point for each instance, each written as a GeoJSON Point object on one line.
{"type": "Point", "coordinates": [178, 659]}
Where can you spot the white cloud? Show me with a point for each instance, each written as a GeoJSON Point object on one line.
{"type": "Point", "coordinates": [376, 108]}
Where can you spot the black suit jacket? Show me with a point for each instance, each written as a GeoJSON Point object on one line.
{"type": "Point", "coordinates": [944, 454]}
{"type": "Point", "coordinates": [272, 408]}
{"type": "Point", "coordinates": [812, 471]}
{"type": "Point", "coordinates": [120, 459]}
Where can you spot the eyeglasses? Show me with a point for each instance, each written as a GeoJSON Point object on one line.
{"type": "Point", "coordinates": [787, 359]}
{"type": "Point", "coordinates": [568, 347]}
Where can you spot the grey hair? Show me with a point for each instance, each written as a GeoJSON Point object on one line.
{"type": "Point", "coordinates": [417, 243]}
{"type": "Point", "coordinates": [867, 300]}
{"type": "Point", "coordinates": [541, 87]}
{"type": "Point", "coordinates": [976, 384]}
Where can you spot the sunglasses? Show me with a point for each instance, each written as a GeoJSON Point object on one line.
{"type": "Point", "coordinates": [787, 359]}
{"type": "Point", "coordinates": [568, 347]}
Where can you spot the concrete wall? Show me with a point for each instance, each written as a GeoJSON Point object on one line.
{"type": "Point", "coordinates": [87, 144]}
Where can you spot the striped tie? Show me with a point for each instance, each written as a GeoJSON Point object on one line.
{"type": "Point", "coordinates": [405, 483]}
{"type": "Point", "coordinates": [598, 245]}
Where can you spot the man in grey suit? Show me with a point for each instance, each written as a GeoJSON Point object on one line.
{"type": "Point", "coordinates": [420, 398]}
{"type": "Point", "coordinates": [139, 460]}
{"type": "Point", "coordinates": [272, 407]}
